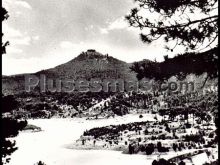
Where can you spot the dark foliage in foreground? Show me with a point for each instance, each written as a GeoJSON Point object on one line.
{"type": "Point", "coordinates": [11, 128]}
{"type": "Point", "coordinates": [9, 103]}
{"type": "Point", "coordinates": [177, 21]}
{"type": "Point", "coordinates": [179, 66]}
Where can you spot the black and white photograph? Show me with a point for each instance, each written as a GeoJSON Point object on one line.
{"type": "Point", "coordinates": [109, 82]}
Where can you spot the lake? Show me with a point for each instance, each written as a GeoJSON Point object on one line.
{"type": "Point", "coordinates": [49, 144]}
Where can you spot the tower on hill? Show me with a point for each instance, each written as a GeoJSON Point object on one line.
{"type": "Point", "coordinates": [91, 50]}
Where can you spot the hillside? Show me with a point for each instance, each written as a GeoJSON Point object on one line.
{"type": "Point", "coordinates": [92, 64]}
{"type": "Point", "coordinates": [87, 65]}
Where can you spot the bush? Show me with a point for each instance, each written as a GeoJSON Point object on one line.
{"type": "Point", "coordinates": [159, 145]}
{"type": "Point", "coordinates": [146, 131]}
{"type": "Point", "coordinates": [211, 135]}
{"type": "Point", "coordinates": [160, 148]}
{"type": "Point", "coordinates": [141, 116]}
{"type": "Point", "coordinates": [175, 146]}
{"type": "Point", "coordinates": [154, 162]}
{"type": "Point", "coordinates": [153, 138]}
{"type": "Point", "coordinates": [182, 163]}
{"type": "Point", "coordinates": [130, 149]}
{"type": "Point", "coordinates": [163, 137]}
{"type": "Point", "coordinates": [167, 129]}
{"type": "Point", "coordinates": [40, 163]}
{"type": "Point", "coordinates": [162, 162]}
{"type": "Point", "coordinates": [149, 149]}
{"type": "Point", "coordinates": [142, 148]}
{"type": "Point", "coordinates": [194, 138]}
{"type": "Point", "coordinates": [139, 139]}
{"type": "Point", "coordinates": [188, 125]}
{"type": "Point", "coordinates": [163, 149]}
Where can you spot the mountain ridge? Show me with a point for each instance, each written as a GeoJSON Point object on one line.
{"type": "Point", "coordinates": [87, 65]}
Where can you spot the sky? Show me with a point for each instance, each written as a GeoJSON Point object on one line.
{"type": "Point", "coordinates": [46, 33]}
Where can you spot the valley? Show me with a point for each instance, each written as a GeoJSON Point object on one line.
{"type": "Point", "coordinates": [144, 126]}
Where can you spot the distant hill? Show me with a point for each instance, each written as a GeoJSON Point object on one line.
{"type": "Point", "coordinates": [87, 65]}
{"type": "Point", "coordinates": [91, 65]}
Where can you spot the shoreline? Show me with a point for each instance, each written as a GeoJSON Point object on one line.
{"type": "Point", "coordinates": [189, 153]}
{"type": "Point", "coordinates": [74, 146]}
{"type": "Point", "coordinates": [70, 131]}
